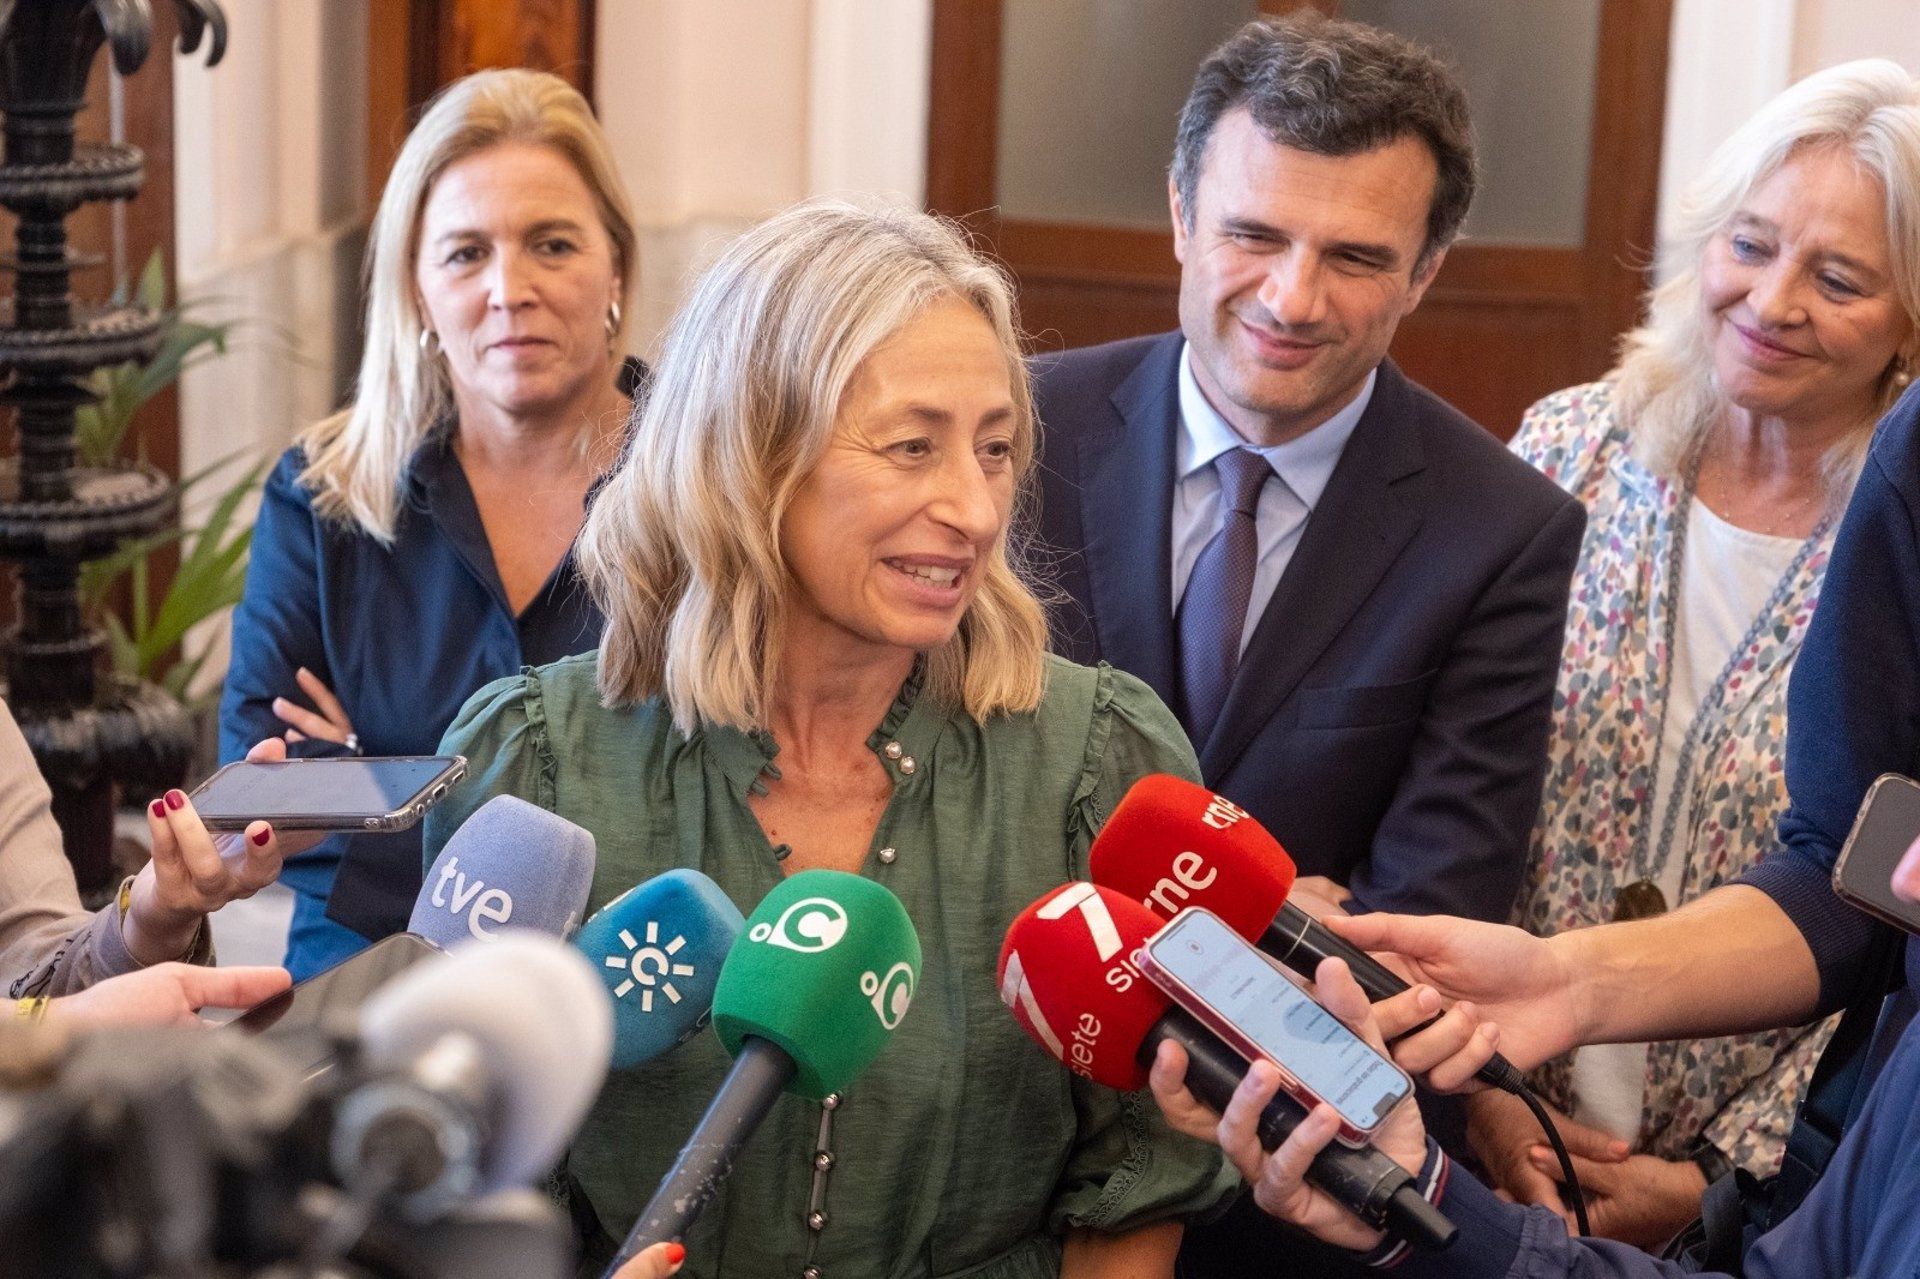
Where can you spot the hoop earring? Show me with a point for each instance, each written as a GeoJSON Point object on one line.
{"type": "Point", "coordinates": [429, 343]}
{"type": "Point", "coordinates": [613, 320]}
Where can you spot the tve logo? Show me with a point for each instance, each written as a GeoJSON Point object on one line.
{"type": "Point", "coordinates": [649, 966]}
{"type": "Point", "coordinates": [454, 893]}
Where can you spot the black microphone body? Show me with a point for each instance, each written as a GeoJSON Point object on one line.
{"type": "Point", "coordinates": [1300, 941]}
{"type": "Point", "coordinates": [1368, 1184]}
{"type": "Point", "coordinates": [761, 1072]}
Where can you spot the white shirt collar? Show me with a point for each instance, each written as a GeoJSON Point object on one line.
{"type": "Point", "coordinates": [1306, 463]}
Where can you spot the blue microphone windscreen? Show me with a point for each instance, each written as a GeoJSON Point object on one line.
{"type": "Point", "coordinates": [510, 865]}
{"type": "Point", "coordinates": [659, 946]}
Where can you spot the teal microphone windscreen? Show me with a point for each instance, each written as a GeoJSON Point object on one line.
{"type": "Point", "coordinates": [658, 948]}
{"type": "Point", "coordinates": [826, 971]}
{"type": "Point", "coordinates": [510, 865]}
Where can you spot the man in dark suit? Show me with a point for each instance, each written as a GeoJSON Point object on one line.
{"type": "Point", "coordinates": [1365, 656]}
{"type": "Point", "coordinates": [1352, 596]}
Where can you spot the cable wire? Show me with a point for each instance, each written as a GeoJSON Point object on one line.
{"type": "Point", "coordinates": [1575, 1198]}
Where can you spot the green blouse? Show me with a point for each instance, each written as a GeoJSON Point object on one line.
{"type": "Point", "coordinates": [964, 1150]}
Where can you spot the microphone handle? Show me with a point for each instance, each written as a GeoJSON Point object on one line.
{"type": "Point", "coordinates": [1300, 941]}
{"type": "Point", "coordinates": [760, 1074]}
{"type": "Point", "coordinates": [1368, 1184]}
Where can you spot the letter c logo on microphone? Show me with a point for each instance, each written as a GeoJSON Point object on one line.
{"type": "Point", "coordinates": [891, 994]}
{"type": "Point", "coordinates": [810, 925]}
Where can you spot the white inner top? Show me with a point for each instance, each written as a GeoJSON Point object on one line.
{"type": "Point", "coordinates": [1729, 573]}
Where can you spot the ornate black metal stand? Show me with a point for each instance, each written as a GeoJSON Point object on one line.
{"type": "Point", "coordinates": [88, 729]}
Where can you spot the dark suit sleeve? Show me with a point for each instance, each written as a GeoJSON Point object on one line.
{"type": "Point", "coordinates": [1454, 840]}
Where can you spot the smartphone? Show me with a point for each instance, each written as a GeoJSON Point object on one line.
{"type": "Point", "coordinates": [344, 792]}
{"type": "Point", "coordinates": [1888, 823]}
{"type": "Point", "coordinates": [1262, 1012]}
{"type": "Point", "coordinates": [331, 1000]}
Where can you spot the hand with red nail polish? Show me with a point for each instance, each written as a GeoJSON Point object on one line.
{"type": "Point", "coordinates": [657, 1262]}
{"type": "Point", "coordinates": [193, 873]}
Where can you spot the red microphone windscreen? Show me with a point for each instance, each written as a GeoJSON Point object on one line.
{"type": "Point", "coordinates": [1067, 972]}
{"type": "Point", "coordinates": [1171, 844]}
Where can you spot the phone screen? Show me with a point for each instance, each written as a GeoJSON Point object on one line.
{"type": "Point", "coordinates": [332, 998]}
{"type": "Point", "coordinates": [344, 788]}
{"type": "Point", "coordinates": [1222, 968]}
{"type": "Point", "coordinates": [1888, 823]}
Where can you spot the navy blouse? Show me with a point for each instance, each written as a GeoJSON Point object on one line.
{"type": "Point", "coordinates": [403, 635]}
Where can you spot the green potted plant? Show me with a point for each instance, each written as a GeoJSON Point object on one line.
{"type": "Point", "coordinates": [149, 639]}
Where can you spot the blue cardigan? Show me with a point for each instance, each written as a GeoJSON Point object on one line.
{"type": "Point", "coordinates": [1853, 711]}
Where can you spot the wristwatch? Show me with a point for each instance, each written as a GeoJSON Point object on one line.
{"type": "Point", "coordinates": [1712, 1164]}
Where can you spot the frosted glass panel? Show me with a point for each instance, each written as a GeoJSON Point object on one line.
{"type": "Point", "coordinates": [1090, 92]}
{"type": "Point", "coordinates": [1528, 68]}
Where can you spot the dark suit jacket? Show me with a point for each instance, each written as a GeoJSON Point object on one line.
{"type": "Point", "coordinates": [1388, 722]}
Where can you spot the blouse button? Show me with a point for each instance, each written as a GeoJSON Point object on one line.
{"type": "Point", "coordinates": [830, 1102]}
{"type": "Point", "coordinates": [893, 750]}
{"type": "Point", "coordinates": [811, 1272]}
{"type": "Point", "coordinates": [887, 855]}
{"type": "Point", "coordinates": [907, 765]}
{"type": "Point", "coordinates": [823, 1160]}
{"type": "Point", "coordinates": [816, 1221]}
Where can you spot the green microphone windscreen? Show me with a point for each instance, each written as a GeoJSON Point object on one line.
{"type": "Point", "coordinates": [825, 971]}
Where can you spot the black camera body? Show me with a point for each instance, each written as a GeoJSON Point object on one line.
{"type": "Point", "coordinates": [162, 1152]}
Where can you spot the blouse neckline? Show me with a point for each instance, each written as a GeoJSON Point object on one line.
{"type": "Point", "coordinates": [903, 741]}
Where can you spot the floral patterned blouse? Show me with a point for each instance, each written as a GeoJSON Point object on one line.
{"type": "Point", "coordinates": [1738, 1092]}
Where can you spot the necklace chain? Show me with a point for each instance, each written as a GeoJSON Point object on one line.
{"type": "Point", "coordinates": [1651, 869]}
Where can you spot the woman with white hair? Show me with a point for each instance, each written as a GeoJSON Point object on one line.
{"type": "Point", "coordinates": [418, 544]}
{"type": "Point", "coordinates": [1714, 462]}
{"type": "Point", "coordinates": [820, 652]}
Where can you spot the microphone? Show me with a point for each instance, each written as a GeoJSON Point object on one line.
{"type": "Point", "coordinates": [485, 1061]}
{"type": "Point", "coordinates": [804, 1004]}
{"type": "Point", "coordinates": [1171, 844]}
{"type": "Point", "coordinates": [658, 948]}
{"type": "Point", "coordinates": [511, 864]}
{"type": "Point", "coordinates": [1067, 972]}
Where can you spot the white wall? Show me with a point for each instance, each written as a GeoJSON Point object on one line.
{"type": "Point", "coordinates": [1729, 56]}
{"type": "Point", "coordinates": [269, 165]}
{"type": "Point", "coordinates": [270, 157]}
{"type": "Point", "coordinates": [721, 112]}
{"type": "Point", "coordinates": [1830, 31]}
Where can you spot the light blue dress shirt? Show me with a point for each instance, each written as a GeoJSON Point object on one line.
{"type": "Point", "coordinates": [1302, 466]}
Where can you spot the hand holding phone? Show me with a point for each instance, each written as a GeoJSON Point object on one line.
{"type": "Point", "coordinates": [1259, 1009]}
{"type": "Point", "coordinates": [335, 793]}
{"type": "Point", "coordinates": [1888, 824]}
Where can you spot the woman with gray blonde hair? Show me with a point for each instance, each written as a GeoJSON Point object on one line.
{"type": "Point", "coordinates": [1714, 462]}
{"type": "Point", "coordinates": [418, 543]}
{"type": "Point", "coordinates": [820, 652]}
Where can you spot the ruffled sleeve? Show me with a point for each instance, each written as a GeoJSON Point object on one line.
{"type": "Point", "coordinates": [1130, 734]}
{"type": "Point", "coordinates": [502, 731]}
{"type": "Point", "coordinates": [1128, 1168]}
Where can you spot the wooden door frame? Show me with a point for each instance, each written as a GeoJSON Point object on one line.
{"type": "Point", "coordinates": [418, 47]}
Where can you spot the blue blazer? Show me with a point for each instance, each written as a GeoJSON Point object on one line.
{"type": "Point", "coordinates": [1388, 722]}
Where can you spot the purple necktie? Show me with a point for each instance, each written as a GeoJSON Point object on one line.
{"type": "Point", "coordinates": [1213, 611]}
